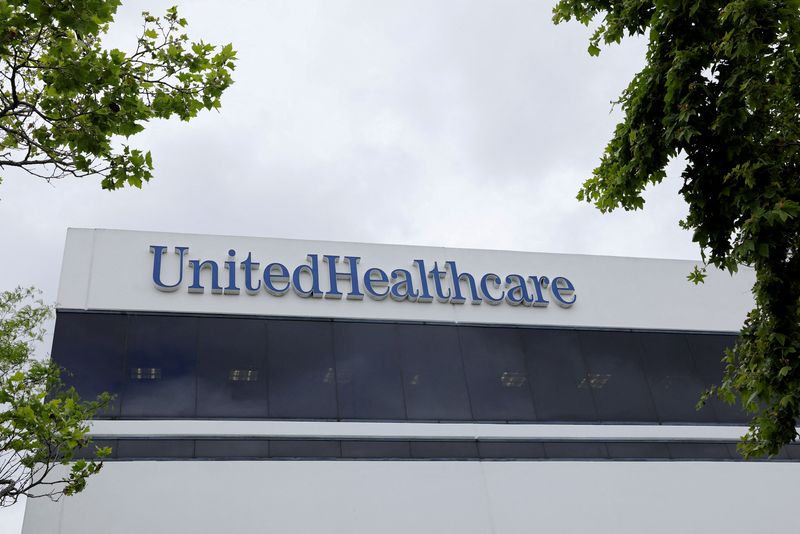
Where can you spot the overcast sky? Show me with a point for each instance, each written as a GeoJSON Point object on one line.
{"type": "Point", "coordinates": [455, 123]}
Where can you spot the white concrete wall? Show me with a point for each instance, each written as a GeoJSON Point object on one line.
{"type": "Point", "coordinates": [193, 428]}
{"type": "Point", "coordinates": [112, 270]}
{"type": "Point", "coordinates": [349, 497]}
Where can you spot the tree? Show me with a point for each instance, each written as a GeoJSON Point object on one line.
{"type": "Point", "coordinates": [67, 104]}
{"type": "Point", "coordinates": [42, 423]}
{"type": "Point", "coordinates": [67, 108]}
{"type": "Point", "coordinates": [721, 88]}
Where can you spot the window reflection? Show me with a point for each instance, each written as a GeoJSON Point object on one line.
{"type": "Point", "coordinates": [91, 349]}
{"type": "Point", "coordinates": [232, 357]}
{"type": "Point", "coordinates": [674, 383]}
{"type": "Point", "coordinates": [180, 366]}
{"type": "Point", "coordinates": [557, 370]}
{"type": "Point", "coordinates": [301, 372]}
{"type": "Point", "coordinates": [594, 380]}
{"type": "Point", "coordinates": [434, 384]}
{"type": "Point", "coordinates": [707, 351]}
{"type": "Point", "coordinates": [496, 373]}
{"type": "Point", "coordinates": [161, 353]}
{"type": "Point", "coordinates": [615, 377]}
{"type": "Point", "coordinates": [243, 375]}
{"type": "Point", "coordinates": [146, 373]}
{"type": "Point", "coordinates": [368, 372]}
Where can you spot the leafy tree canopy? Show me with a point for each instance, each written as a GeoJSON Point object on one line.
{"type": "Point", "coordinates": [42, 424]}
{"type": "Point", "coordinates": [721, 88]}
{"type": "Point", "coordinates": [68, 105]}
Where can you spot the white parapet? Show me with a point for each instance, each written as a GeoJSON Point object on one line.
{"type": "Point", "coordinates": [187, 273]}
{"type": "Point", "coordinates": [451, 497]}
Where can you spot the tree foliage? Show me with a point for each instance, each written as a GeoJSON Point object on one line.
{"type": "Point", "coordinates": [721, 88]}
{"type": "Point", "coordinates": [42, 424]}
{"type": "Point", "coordinates": [68, 105]}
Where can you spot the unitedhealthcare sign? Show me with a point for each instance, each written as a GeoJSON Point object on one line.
{"type": "Point", "coordinates": [346, 278]}
{"type": "Point", "coordinates": [172, 273]}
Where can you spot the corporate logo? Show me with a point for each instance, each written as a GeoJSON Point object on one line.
{"type": "Point", "coordinates": [347, 279]}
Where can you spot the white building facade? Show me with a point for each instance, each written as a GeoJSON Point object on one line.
{"type": "Point", "coordinates": [269, 385]}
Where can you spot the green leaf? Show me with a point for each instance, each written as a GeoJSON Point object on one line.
{"type": "Point", "coordinates": [82, 95]}
{"type": "Point", "coordinates": [718, 88]}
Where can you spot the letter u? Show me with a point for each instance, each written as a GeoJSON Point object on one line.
{"type": "Point", "coordinates": [158, 251]}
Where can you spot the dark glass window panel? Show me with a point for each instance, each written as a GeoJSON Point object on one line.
{"type": "Point", "coordinates": [510, 449]}
{"type": "Point", "coordinates": [782, 455]}
{"type": "Point", "coordinates": [91, 348]}
{"type": "Point", "coordinates": [708, 351]}
{"type": "Point", "coordinates": [638, 451]}
{"type": "Point", "coordinates": [375, 449]}
{"type": "Point", "coordinates": [615, 378]}
{"type": "Point", "coordinates": [558, 450]}
{"type": "Point", "coordinates": [90, 452]}
{"type": "Point", "coordinates": [433, 377]}
{"type": "Point", "coordinates": [792, 451]}
{"type": "Point", "coordinates": [160, 367]}
{"type": "Point", "coordinates": [155, 448]}
{"type": "Point", "coordinates": [231, 368]}
{"type": "Point", "coordinates": [497, 377]}
{"type": "Point", "coordinates": [444, 450]}
{"type": "Point", "coordinates": [369, 376]}
{"type": "Point", "coordinates": [231, 448]}
{"type": "Point", "coordinates": [699, 451]}
{"type": "Point", "coordinates": [304, 449]}
{"type": "Point", "coordinates": [301, 370]}
{"type": "Point", "coordinates": [558, 376]}
{"type": "Point", "coordinates": [733, 451]}
{"type": "Point", "coordinates": [674, 383]}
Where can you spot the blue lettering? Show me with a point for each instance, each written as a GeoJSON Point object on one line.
{"type": "Point", "coordinates": [425, 295]}
{"type": "Point", "coordinates": [159, 251]}
{"type": "Point", "coordinates": [485, 288]}
{"type": "Point", "coordinates": [404, 289]}
{"type": "Point", "coordinates": [197, 267]}
{"type": "Point", "coordinates": [313, 271]}
{"type": "Point", "coordinates": [370, 283]}
{"type": "Point", "coordinates": [248, 266]}
{"type": "Point", "coordinates": [271, 278]}
{"type": "Point", "coordinates": [231, 288]}
{"type": "Point", "coordinates": [437, 276]}
{"type": "Point", "coordinates": [539, 283]}
{"type": "Point", "coordinates": [562, 289]}
{"type": "Point", "coordinates": [458, 298]}
{"type": "Point", "coordinates": [352, 275]}
{"type": "Point", "coordinates": [517, 294]}
{"type": "Point", "coordinates": [304, 280]}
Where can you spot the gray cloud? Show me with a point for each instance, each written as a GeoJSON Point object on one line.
{"type": "Point", "coordinates": [449, 123]}
{"type": "Point", "coordinates": [439, 123]}
{"type": "Point", "coordinates": [453, 123]}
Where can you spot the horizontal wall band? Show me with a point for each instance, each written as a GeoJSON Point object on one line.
{"type": "Point", "coordinates": [179, 429]}
{"type": "Point", "coordinates": [133, 449]}
{"type": "Point", "coordinates": [322, 370]}
{"type": "Point", "coordinates": [95, 261]}
{"type": "Point", "coordinates": [568, 327]}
